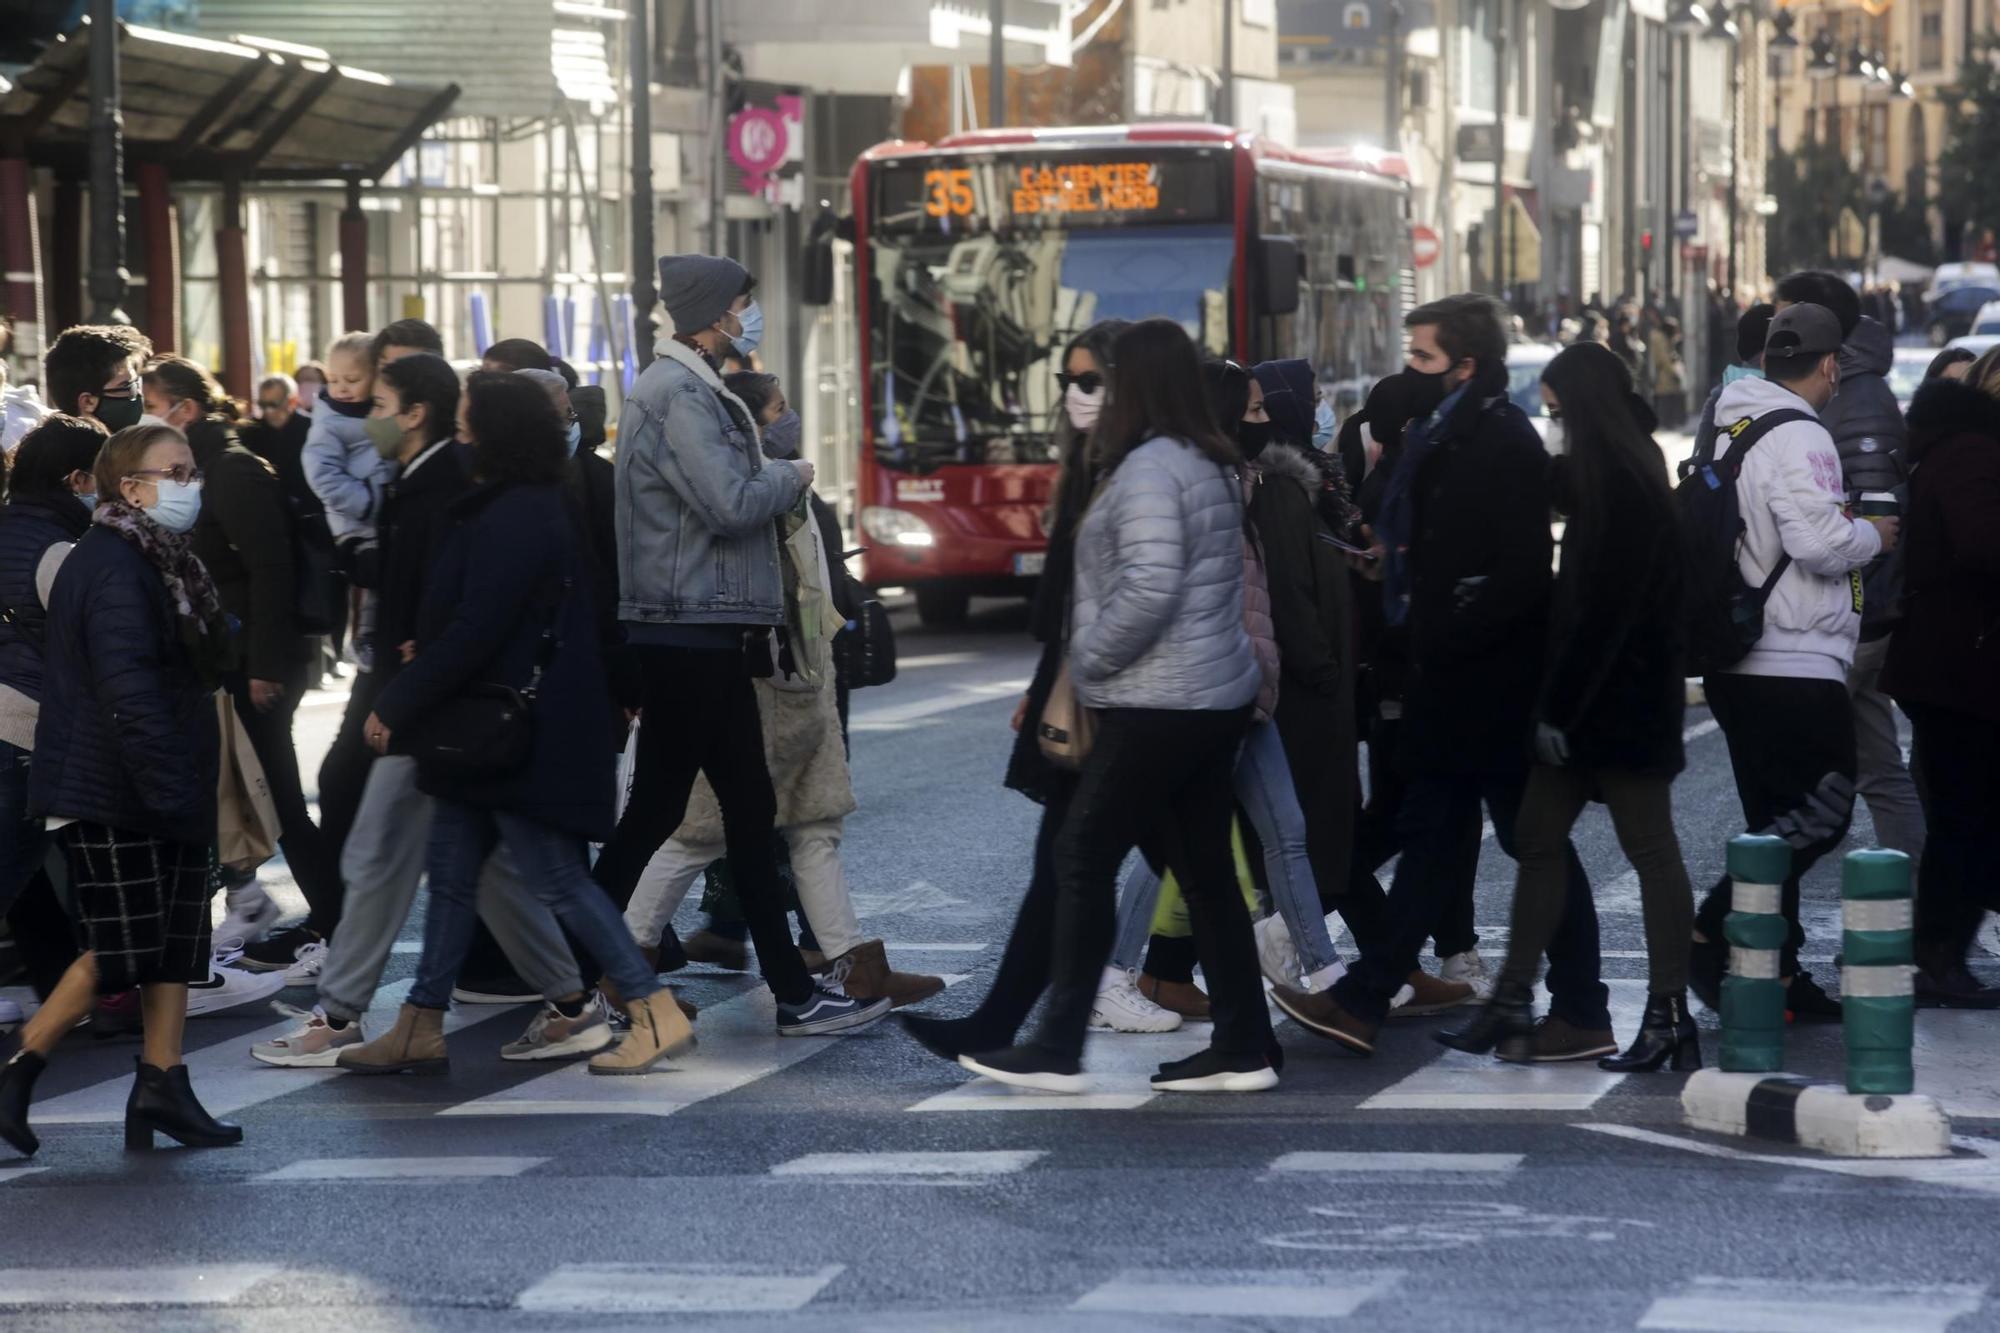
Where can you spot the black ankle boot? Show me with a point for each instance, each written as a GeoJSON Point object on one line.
{"type": "Point", "coordinates": [17, 1089]}
{"type": "Point", "coordinates": [162, 1102]}
{"type": "Point", "coordinates": [1507, 1021]}
{"type": "Point", "coordinates": [1666, 1037]}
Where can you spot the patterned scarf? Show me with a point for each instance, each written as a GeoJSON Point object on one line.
{"type": "Point", "coordinates": [204, 629]}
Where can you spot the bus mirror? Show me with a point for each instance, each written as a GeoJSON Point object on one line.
{"type": "Point", "coordinates": [817, 271]}
{"type": "Point", "coordinates": [1279, 271]}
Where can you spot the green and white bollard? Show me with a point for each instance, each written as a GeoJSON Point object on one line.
{"type": "Point", "coordinates": [1877, 1000]}
{"type": "Point", "coordinates": [1753, 999]}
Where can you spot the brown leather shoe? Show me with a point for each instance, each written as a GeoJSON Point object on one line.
{"type": "Point", "coordinates": [1433, 995]}
{"type": "Point", "coordinates": [705, 946]}
{"type": "Point", "coordinates": [815, 961]}
{"type": "Point", "coordinates": [414, 1046]}
{"type": "Point", "coordinates": [864, 973]}
{"type": "Point", "coordinates": [1558, 1040]}
{"type": "Point", "coordinates": [1323, 1015]}
{"type": "Point", "coordinates": [1181, 997]}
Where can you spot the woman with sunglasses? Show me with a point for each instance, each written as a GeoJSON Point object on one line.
{"type": "Point", "coordinates": [126, 758]}
{"type": "Point", "coordinates": [1082, 389]}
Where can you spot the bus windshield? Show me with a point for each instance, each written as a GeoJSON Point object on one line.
{"type": "Point", "coordinates": [983, 273]}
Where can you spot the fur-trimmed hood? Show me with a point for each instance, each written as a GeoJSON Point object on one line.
{"type": "Point", "coordinates": [676, 350]}
{"type": "Point", "coordinates": [1944, 409]}
{"type": "Point", "coordinates": [1320, 475]}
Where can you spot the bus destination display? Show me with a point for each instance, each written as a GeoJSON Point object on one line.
{"type": "Point", "coordinates": [1000, 194]}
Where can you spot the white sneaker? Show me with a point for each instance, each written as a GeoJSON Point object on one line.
{"type": "Point", "coordinates": [10, 1016]}
{"type": "Point", "coordinates": [1276, 954]}
{"type": "Point", "coordinates": [550, 1036]}
{"type": "Point", "coordinates": [250, 912]}
{"type": "Point", "coordinates": [231, 987]}
{"type": "Point", "coordinates": [1121, 1008]}
{"type": "Point", "coordinates": [316, 1045]}
{"type": "Point", "coordinates": [305, 972]}
{"type": "Point", "coordinates": [1468, 969]}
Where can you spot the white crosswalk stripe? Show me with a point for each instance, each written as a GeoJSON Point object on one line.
{"type": "Point", "coordinates": [402, 1169]}
{"type": "Point", "coordinates": [1271, 1294]}
{"type": "Point", "coordinates": [908, 1165]}
{"type": "Point", "coordinates": [189, 1284]}
{"type": "Point", "coordinates": [1495, 1164]}
{"type": "Point", "coordinates": [690, 1289]}
{"type": "Point", "coordinates": [1817, 1305]}
{"type": "Point", "coordinates": [224, 1075]}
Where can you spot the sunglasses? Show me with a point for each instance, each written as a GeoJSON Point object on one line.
{"type": "Point", "coordinates": [1089, 381]}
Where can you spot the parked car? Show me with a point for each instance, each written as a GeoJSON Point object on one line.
{"type": "Point", "coordinates": [1906, 372]}
{"type": "Point", "coordinates": [1953, 314]}
{"type": "Point", "coordinates": [1951, 277]}
{"type": "Point", "coordinates": [1976, 343]}
{"type": "Point", "coordinates": [1525, 363]}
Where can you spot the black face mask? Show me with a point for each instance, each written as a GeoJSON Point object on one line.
{"type": "Point", "coordinates": [119, 413]}
{"type": "Point", "coordinates": [1253, 437]}
{"type": "Point", "coordinates": [1428, 390]}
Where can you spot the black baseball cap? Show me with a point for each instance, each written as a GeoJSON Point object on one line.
{"type": "Point", "coordinates": [1802, 333]}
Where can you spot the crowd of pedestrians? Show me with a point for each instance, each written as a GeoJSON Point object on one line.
{"type": "Point", "coordinates": [1236, 600]}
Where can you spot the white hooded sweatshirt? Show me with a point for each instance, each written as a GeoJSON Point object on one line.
{"type": "Point", "coordinates": [1792, 499]}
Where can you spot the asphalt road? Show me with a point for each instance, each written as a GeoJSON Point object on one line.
{"type": "Point", "coordinates": [859, 1184]}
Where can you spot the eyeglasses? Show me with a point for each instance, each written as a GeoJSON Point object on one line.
{"type": "Point", "coordinates": [1090, 381]}
{"type": "Point", "coordinates": [180, 474]}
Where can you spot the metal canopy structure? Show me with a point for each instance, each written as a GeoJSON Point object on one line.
{"type": "Point", "coordinates": [240, 110]}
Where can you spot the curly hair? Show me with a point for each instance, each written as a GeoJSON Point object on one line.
{"type": "Point", "coordinates": [516, 435]}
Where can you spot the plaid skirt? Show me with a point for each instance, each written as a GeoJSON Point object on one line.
{"type": "Point", "coordinates": [142, 903]}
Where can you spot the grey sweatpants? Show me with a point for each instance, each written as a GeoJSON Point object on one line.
{"type": "Point", "coordinates": [1882, 778]}
{"type": "Point", "coordinates": [381, 866]}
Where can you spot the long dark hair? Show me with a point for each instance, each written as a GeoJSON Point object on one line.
{"type": "Point", "coordinates": [516, 434]}
{"type": "Point", "coordinates": [178, 377]}
{"type": "Point", "coordinates": [1076, 480]}
{"type": "Point", "coordinates": [1228, 387]}
{"type": "Point", "coordinates": [1156, 390]}
{"type": "Point", "coordinates": [1610, 446]}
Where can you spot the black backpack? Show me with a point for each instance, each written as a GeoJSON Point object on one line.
{"type": "Point", "coordinates": [1725, 615]}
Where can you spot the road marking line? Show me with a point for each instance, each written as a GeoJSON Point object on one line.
{"type": "Point", "coordinates": [691, 1289]}
{"type": "Point", "coordinates": [1759, 1305]}
{"type": "Point", "coordinates": [1977, 1170]}
{"type": "Point", "coordinates": [853, 1165]}
{"type": "Point", "coordinates": [1243, 1294]}
{"type": "Point", "coordinates": [187, 1284]}
{"type": "Point", "coordinates": [402, 1168]}
{"type": "Point", "coordinates": [1120, 1065]}
{"type": "Point", "coordinates": [226, 1078]}
{"type": "Point", "coordinates": [894, 717]}
{"type": "Point", "coordinates": [1341, 1163]}
{"type": "Point", "coordinates": [12, 1173]}
{"type": "Point", "coordinates": [744, 1047]}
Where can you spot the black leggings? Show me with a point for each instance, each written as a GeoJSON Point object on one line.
{"type": "Point", "coordinates": [701, 717]}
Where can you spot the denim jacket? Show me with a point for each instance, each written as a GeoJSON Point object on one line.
{"type": "Point", "coordinates": [696, 500]}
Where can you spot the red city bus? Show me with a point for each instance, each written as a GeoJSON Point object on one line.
{"type": "Point", "coordinates": [978, 258]}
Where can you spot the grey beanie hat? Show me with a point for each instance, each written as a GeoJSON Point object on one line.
{"type": "Point", "coordinates": [550, 382]}
{"type": "Point", "coordinates": [697, 289]}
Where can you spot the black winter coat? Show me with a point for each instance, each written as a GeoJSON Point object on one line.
{"type": "Point", "coordinates": [1617, 676]}
{"type": "Point", "coordinates": [244, 536]}
{"type": "Point", "coordinates": [1480, 557]}
{"type": "Point", "coordinates": [413, 523]}
{"type": "Point", "coordinates": [497, 584]}
{"type": "Point", "coordinates": [29, 526]}
{"type": "Point", "coordinates": [1028, 772]}
{"type": "Point", "coordinates": [1946, 652]}
{"type": "Point", "coordinates": [127, 735]}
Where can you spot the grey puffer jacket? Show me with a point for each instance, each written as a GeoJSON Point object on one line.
{"type": "Point", "coordinates": [1868, 428]}
{"type": "Point", "coordinates": [1158, 614]}
{"type": "Point", "coordinates": [695, 499]}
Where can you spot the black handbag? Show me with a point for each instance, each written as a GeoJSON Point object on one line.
{"type": "Point", "coordinates": [867, 649]}
{"type": "Point", "coordinates": [487, 730]}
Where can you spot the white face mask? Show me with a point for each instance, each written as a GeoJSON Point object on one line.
{"type": "Point", "coordinates": [1557, 439]}
{"type": "Point", "coordinates": [1083, 408]}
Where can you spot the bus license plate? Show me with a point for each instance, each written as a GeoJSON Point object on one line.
{"type": "Point", "coordinates": [1030, 562]}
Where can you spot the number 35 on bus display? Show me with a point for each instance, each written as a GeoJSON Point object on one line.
{"type": "Point", "coordinates": [950, 191]}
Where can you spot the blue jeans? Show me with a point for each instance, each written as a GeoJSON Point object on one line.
{"type": "Point", "coordinates": [1264, 789]}
{"type": "Point", "coordinates": [23, 843]}
{"type": "Point", "coordinates": [554, 866]}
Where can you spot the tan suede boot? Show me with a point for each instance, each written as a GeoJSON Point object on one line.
{"type": "Point", "coordinates": [414, 1046]}
{"type": "Point", "coordinates": [689, 1010]}
{"type": "Point", "coordinates": [1182, 997]}
{"type": "Point", "coordinates": [864, 973]}
{"type": "Point", "coordinates": [659, 1030]}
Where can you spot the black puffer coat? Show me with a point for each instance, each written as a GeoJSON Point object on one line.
{"type": "Point", "coordinates": [244, 536]}
{"type": "Point", "coordinates": [29, 526]}
{"type": "Point", "coordinates": [127, 735]}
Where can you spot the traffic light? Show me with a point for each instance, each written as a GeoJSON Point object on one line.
{"type": "Point", "coordinates": [1646, 240]}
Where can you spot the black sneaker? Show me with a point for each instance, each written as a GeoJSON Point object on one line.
{"type": "Point", "coordinates": [1028, 1067]}
{"type": "Point", "coordinates": [947, 1038]}
{"type": "Point", "coordinates": [825, 1012]}
{"type": "Point", "coordinates": [1807, 1002]}
{"type": "Point", "coordinates": [277, 951]}
{"type": "Point", "coordinates": [1708, 960]}
{"type": "Point", "coordinates": [1210, 1070]}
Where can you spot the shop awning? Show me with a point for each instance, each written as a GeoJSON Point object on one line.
{"type": "Point", "coordinates": [249, 108]}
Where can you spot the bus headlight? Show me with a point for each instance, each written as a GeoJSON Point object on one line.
{"type": "Point", "coordinates": [896, 527]}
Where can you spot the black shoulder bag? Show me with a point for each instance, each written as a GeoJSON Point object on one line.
{"type": "Point", "coordinates": [487, 730]}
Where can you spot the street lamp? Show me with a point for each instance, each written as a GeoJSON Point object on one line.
{"type": "Point", "coordinates": [1784, 38]}
{"type": "Point", "coordinates": [1900, 85]}
{"type": "Point", "coordinates": [1722, 27]}
{"type": "Point", "coordinates": [1882, 75]}
{"type": "Point", "coordinates": [1822, 65]}
{"type": "Point", "coordinates": [1858, 63]}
